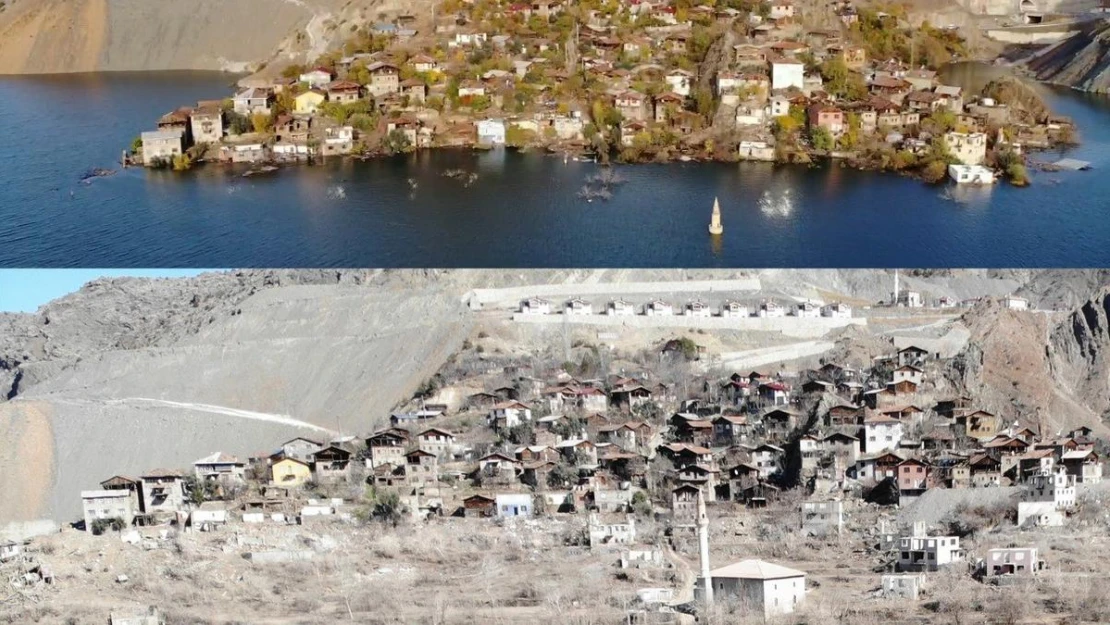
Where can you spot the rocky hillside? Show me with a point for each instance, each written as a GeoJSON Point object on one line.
{"type": "Point", "coordinates": [1079, 353]}
{"type": "Point", "coordinates": [58, 36]}
{"type": "Point", "coordinates": [1081, 61]}
{"type": "Point", "coordinates": [1050, 368]}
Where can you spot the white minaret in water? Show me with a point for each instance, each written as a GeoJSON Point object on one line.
{"type": "Point", "coordinates": [715, 226]}
{"type": "Point", "coordinates": [703, 550]}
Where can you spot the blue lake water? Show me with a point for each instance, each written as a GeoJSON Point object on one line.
{"type": "Point", "coordinates": [522, 211]}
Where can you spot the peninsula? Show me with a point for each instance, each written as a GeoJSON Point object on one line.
{"type": "Point", "coordinates": [631, 81]}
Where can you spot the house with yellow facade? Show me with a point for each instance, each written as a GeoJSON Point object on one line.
{"type": "Point", "coordinates": [306, 103]}
{"type": "Point", "coordinates": [288, 471]}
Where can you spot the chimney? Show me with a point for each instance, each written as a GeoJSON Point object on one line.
{"type": "Point", "coordinates": [703, 550]}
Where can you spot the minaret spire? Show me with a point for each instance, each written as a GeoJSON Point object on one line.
{"type": "Point", "coordinates": [703, 548]}
{"type": "Point", "coordinates": [715, 226]}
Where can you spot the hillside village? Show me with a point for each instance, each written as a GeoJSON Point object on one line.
{"type": "Point", "coordinates": [634, 80]}
{"type": "Point", "coordinates": [817, 493]}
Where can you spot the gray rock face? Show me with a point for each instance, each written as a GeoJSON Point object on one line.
{"type": "Point", "coordinates": [1081, 61]}
{"type": "Point", "coordinates": [1079, 349]}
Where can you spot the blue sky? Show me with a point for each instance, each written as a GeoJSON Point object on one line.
{"type": "Point", "coordinates": [24, 290]}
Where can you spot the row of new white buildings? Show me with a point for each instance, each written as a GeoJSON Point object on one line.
{"type": "Point", "coordinates": [697, 308]}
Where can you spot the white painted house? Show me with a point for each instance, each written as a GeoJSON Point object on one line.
{"type": "Point", "coordinates": [657, 308]}
{"type": "Point", "coordinates": [579, 306]}
{"type": "Point", "coordinates": [1047, 495]}
{"type": "Point", "coordinates": [509, 414]}
{"type": "Point", "coordinates": [807, 310]}
{"type": "Point", "coordinates": [761, 587]}
{"type": "Point", "coordinates": [491, 131]}
{"type": "Point", "coordinates": [882, 433]}
{"type": "Point", "coordinates": [734, 309]}
{"type": "Point", "coordinates": [514, 504]}
{"type": "Point", "coordinates": [1014, 302]}
{"type": "Point", "coordinates": [698, 308]}
{"type": "Point", "coordinates": [679, 82]}
{"type": "Point", "coordinates": [971, 174]}
{"type": "Point", "coordinates": [535, 306]}
{"type": "Point", "coordinates": [837, 310]}
{"type": "Point", "coordinates": [908, 373]}
{"type": "Point", "coordinates": [928, 553]}
{"type": "Point", "coordinates": [622, 308]}
{"type": "Point", "coordinates": [787, 73]}
{"type": "Point", "coordinates": [768, 308]}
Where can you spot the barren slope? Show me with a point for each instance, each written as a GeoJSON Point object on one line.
{"type": "Point", "coordinates": [52, 36]}
{"type": "Point", "coordinates": [336, 357]}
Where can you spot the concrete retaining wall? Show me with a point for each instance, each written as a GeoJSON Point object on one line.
{"type": "Point", "coordinates": [1022, 36]}
{"type": "Point", "coordinates": [789, 326]}
{"type": "Point", "coordinates": [277, 557]}
{"type": "Point", "coordinates": [22, 530]}
{"type": "Point", "coordinates": [480, 298]}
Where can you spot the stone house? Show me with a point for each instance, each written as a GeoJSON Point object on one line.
{"type": "Point", "coordinates": [163, 491]}
{"type": "Point", "coordinates": [332, 463]}
{"type": "Point", "coordinates": [299, 448]}
{"type": "Point", "coordinates": [498, 465]}
{"type": "Point", "coordinates": [1083, 465]}
{"type": "Point", "coordinates": [421, 467]}
{"type": "Point", "coordinates": [978, 424]}
{"type": "Point", "coordinates": [252, 100]}
{"type": "Point", "coordinates": [207, 123]}
{"type": "Point", "coordinates": [385, 78]}
{"type": "Point", "coordinates": [968, 148]}
{"type": "Point", "coordinates": [161, 146]}
{"type": "Point", "coordinates": [632, 106]}
{"type": "Point", "coordinates": [508, 414]}
{"type": "Point", "coordinates": [767, 459]}
{"type": "Point", "coordinates": [479, 506]}
{"type": "Point", "coordinates": [436, 441]}
{"type": "Point", "coordinates": [344, 92]}
{"type": "Point", "coordinates": [386, 446]}
{"type": "Point", "coordinates": [108, 504]}
{"type": "Point", "coordinates": [220, 466]}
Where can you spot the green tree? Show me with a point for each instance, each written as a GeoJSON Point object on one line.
{"type": "Point", "coordinates": [385, 506]}
{"type": "Point", "coordinates": [293, 71]}
{"type": "Point", "coordinates": [397, 142]}
{"type": "Point", "coordinates": [261, 122]}
{"type": "Point", "coordinates": [841, 81]}
{"type": "Point", "coordinates": [182, 162]}
{"type": "Point", "coordinates": [821, 138]}
{"type": "Point", "coordinates": [706, 104]}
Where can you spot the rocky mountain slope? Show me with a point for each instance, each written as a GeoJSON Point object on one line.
{"type": "Point", "coordinates": [58, 36]}
{"type": "Point", "coordinates": [1081, 61]}
{"type": "Point", "coordinates": [1079, 353]}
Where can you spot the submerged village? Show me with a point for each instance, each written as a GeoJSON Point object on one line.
{"type": "Point", "coordinates": [632, 81]}
{"type": "Point", "coordinates": [623, 488]}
